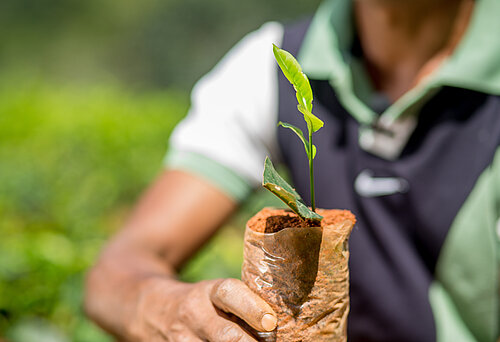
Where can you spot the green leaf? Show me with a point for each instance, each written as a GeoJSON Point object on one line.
{"type": "Point", "coordinates": [313, 122]}
{"type": "Point", "coordinates": [293, 72]}
{"type": "Point", "coordinates": [299, 133]}
{"type": "Point", "coordinates": [284, 191]}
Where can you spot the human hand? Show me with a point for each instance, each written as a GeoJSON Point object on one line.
{"type": "Point", "coordinates": [168, 310]}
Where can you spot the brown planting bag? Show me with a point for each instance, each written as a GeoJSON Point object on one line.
{"type": "Point", "coordinates": [301, 272]}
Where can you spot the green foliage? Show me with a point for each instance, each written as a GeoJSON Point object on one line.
{"type": "Point", "coordinates": [72, 162]}
{"type": "Point", "coordinates": [300, 134]}
{"type": "Point", "coordinates": [293, 73]}
{"type": "Point", "coordinates": [284, 191]}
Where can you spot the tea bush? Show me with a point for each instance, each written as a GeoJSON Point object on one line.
{"type": "Point", "coordinates": [72, 161]}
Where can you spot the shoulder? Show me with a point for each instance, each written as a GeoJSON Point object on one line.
{"type": "Point", "coordinates": [233, 114]}
{"type": "Point", "coordinates": [250, 58]}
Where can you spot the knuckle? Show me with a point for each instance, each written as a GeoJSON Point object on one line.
{"type": "Point", "coordinates": [176, 328]}
{"type": "Point", "coordinates": [184, 312]}
{"type": "Point", "coordinates": [227, 286]}
{"type": "Point", "coordinates": [179, 338]}
{"type": "Point", "coordinates": [231, 334]}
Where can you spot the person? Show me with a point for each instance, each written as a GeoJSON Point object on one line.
{"type": "Point", "coordinates": [409, 93]}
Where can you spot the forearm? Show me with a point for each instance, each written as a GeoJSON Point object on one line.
{"type": "Point", "coordinates": [133, 282]}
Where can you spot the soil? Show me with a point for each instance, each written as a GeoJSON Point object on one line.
{"type": "Point", "coordinates": [301, 271]}
{"type": "Point", "coordinates": [271, 220]}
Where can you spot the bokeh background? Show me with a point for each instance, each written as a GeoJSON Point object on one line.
{"type": "Point", "coordinates": [89, 93]}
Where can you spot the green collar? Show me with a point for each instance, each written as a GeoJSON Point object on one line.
{"type": "Point", "coordinates": [475, 63]}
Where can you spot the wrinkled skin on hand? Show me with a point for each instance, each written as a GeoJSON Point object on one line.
{"type": "Point", "coordinates": [204, 311]}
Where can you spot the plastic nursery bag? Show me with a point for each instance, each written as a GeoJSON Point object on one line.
{"type": "Point", "coordinates": [302, 272]}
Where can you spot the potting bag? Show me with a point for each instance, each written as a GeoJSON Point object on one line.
{"type": "Point", "coordinates": [303, 274]}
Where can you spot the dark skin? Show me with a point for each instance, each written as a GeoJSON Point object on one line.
{"type": "Point", "coordinates": [132, 291]}
{"type": "Point", "coordinates": [404, 40]}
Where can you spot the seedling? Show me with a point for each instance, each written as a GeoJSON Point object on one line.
{"type": "Point", "coordinates": [272, 180]}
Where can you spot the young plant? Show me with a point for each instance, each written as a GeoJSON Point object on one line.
{"type": "Point", "coordinates": [272, 180]}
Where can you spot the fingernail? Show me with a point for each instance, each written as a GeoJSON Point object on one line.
{"type": "Point", "coordinates": [269, 322]}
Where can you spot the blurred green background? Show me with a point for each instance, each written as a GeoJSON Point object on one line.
{"type": "Point", "coordinates": [89, 93]}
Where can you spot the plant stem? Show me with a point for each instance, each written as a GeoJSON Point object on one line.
{"type": "Point", "coordinates": [311, 171]}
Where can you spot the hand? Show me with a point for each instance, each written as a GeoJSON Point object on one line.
{"type": "Point", "coordinates": [168, 310]}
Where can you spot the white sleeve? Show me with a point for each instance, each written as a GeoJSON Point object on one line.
{"type": "Point", "coordinates": [234, 111]}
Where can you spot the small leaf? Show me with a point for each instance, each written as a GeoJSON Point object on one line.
{"type": "Point", "coordinates": [293, 72]}
{"type": "Point", "coordinates": [284, 191]}
{"type": "Point", "coordinates": [313, 122]}
{"type": "Point", "coordinates": [300, 134]}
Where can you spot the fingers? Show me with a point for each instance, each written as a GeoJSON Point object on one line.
{"type": "Point", "coordinates": [183, 335]}
{"type": "Point", "coordinates": [232, 295]}
{"type": "Point", "coordinates": [222, 330]}
{"type": "Point", "coordinates": [202, 318]}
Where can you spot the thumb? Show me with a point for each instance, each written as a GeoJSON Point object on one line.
{"type": "Point", "coordinates": [233, 296]}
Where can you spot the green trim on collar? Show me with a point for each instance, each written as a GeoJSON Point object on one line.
{"type": "Point", "coordinates": [474, 65]}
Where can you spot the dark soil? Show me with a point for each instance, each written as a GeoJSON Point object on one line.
{"type": "Point", "coordinates": [271, 220]}
{"type": "Point", "coordinates": [278, 222]}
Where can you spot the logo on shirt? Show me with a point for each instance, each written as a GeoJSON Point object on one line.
{"type": "Point", "coordinates": [367, 185]}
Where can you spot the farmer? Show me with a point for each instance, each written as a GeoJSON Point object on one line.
{"type": "Point", "coordinates": [409, 93]}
